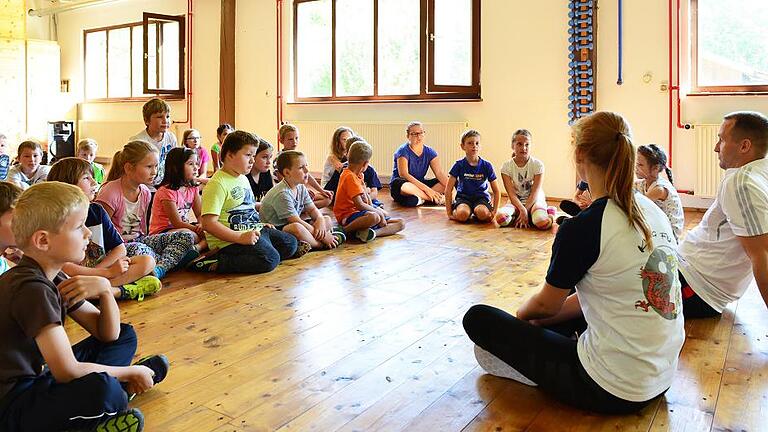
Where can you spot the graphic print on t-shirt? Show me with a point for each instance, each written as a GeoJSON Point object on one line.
{"type": "Point", "coordinates": [525, 184]}
{"type": "Point", "coordinates": [244, 217]}
{"type": "Point", "coordinates": [658, 276]}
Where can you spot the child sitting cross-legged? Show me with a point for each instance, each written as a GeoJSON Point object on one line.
{"type": "Point", "coordinates": [45, 383]}
{"type": "Point", "coordinates": [471, 176]}
{"type": "Point", "coordinates": [354, 209]}
{"type": "Point", "coordinates": [106, 255]}
{"type": "Point", "coordinates": [283, 205]}
{"type": "Point", "coordinates": [239, 242]}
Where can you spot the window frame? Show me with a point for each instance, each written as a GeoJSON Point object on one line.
{"type": "Point", "coordinates": [147, 16]}
{"type": "Point", "coordinates": [428, 91]}
{"type": "Point", "coordinates": [182, 55]}
{"type": "Point", "coordinates": [722, 90]}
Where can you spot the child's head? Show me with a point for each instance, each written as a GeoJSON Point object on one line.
{"type": "Point", "coordinates": [49, 218]}
{"type": "Point", "coordinates": [263, 160]}
{"type": "Point", "coordinates": [521, 143]}
{"type": "Point", "coordinates": [415, 132]}
{"type": "Point", "coordinates": [651, 160]}
{"type": "Point", "coordinates": [191, 138]}
{"type": "Point", "coordinates": [29, 155]}
{"type": "Point", "coordinates": [157, 115]}
{"type": "Point", "coordinates": [137, 161]}
{"type": "Point", "coordinates": [74, 171]}
{"type": "Point", "coordinates": [86, 149]}
{"type": "Point", "coordinates": [9, 194]}
{"type": "Point", "coordinates": [360, 153]}
{"type": "Point", "coordinates": [222, 131]}
{"type": "Point", "coordinates": [3, 144]}
{"type": "Point", "coordinates": [470, 142]}
{"type": "Point", "coordinates": [181, 167]}
{"type": "Point", "coordinates": [292, 165]}
{"type": "Point", "coordinates": [238, 150]}
{"type": "Point", "coordinates": [339, 141]}
{"type": "Point", "coordinates": [288, 135]}
{"type": "Point", "coordinates": [351, 140]}
{"type": "Point", "coordinates": [603, 145]}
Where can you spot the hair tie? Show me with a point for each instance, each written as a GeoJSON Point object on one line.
{"type": "Point", "coordinates": [618, 135]}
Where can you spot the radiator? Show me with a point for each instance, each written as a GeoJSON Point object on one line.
{"type": "Point", "coordinates": [708, 174]}
{"type": "Point", "coordinates": [384, 137]}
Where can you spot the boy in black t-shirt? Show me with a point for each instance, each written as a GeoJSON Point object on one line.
{"type": "Point", "coordinates": [46, 384]}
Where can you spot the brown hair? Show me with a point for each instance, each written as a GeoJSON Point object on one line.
{"type": "Point", "coordinates": [524, 132]}
{"type": "Point", "coordinates": [237, 140]}
{"type": "Point", "coordinates": [69, 170]}
{"type": "Point", "coordinates": [338, 149]}
{"type": "Point", "coordinates": [132, 153]}
{"type": "Point", "coordinates": [9, 194]}
{"type": "Point", "coordinates": [154, 106]}
{"type": "Point", "coordinates": [656, 156]}
{"type": "Point", "coordinates": [286, 160]}
{"type": "Point", "coordinates": [186, 135]}
{"type": "Point", "coordinates": [752, 126]}
{"type": "Point", "coordinates": [468, 134]}
{"type": "Point", "coordinates": [604, 139]}
{"type": "Point", "coordinates": [360, 152]}
{"type": "Point", "coordinates": [412, 124]}
{"type": "Point", "coordinates": [28, 145]}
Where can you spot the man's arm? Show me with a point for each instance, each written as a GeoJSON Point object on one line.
{"type": "Point", "coordinates": [757, 249]}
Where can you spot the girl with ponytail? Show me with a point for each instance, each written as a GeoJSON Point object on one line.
{"type": "Point", "coordinates": [126, 198]}
{"type": "Point", "coordinates": [651, 160]}
{"type": "Point", "coordinates": [612, 282]}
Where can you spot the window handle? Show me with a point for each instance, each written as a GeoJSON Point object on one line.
{"type": "Point", "coordinates": [432, 37]}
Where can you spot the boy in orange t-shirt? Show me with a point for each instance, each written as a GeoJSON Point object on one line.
{"type": "Point", "coordinates": [353, 208]}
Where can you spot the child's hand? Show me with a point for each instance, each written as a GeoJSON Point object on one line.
{"type": "Point", "coordinates": [119, 267]}
{"type": "Point", "coordinates": [79, 288]}
{"type": "Point", "coordinates": [522, 218]}
{"type": "Point", "coordinates": [319, 230]}
{"type": "Point", "coordinates": [139, 379]}
{"type": "Point", "coordinates": [329, 240]}
{"type": "Point", "coordinates": [382, 218]}
{"type": "Point", "coordinates": [248, 238]}
{"type": "Point", "coordinates": [199, 231]}
{"type": "Point", "coordinates": [326, 193]}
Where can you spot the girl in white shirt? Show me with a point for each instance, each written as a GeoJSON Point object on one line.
{"type": "Point", "coordinates": [618, 255]}
{"type": "Point", "coordinates": [651, 160]}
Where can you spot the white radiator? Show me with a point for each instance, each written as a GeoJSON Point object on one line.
{"type": "Point", "coordinates": [384, 137]}
{"type": "Point", "coordinates": [709, 174]}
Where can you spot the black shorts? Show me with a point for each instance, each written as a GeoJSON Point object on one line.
{"type": "Point", "coordinates": [407, 200]}
{"type": "Point", "coordinates": [471, 201]}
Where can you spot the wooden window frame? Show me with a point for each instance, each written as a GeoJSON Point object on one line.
{"type": "Point", "coordinates": [133, 74]}
{"type": "Point", "coordinates": [428, 90]}
{"type": "Point", "coordinates": [723, 90]}
{"type": "Point", "coordinates": [147, 16]}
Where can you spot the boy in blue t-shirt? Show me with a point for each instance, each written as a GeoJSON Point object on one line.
{"type": "Point", "coordinates": [471, 176]}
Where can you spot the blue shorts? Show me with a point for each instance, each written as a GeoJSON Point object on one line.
{"type": "Point", "coordinates": [351, 218]}
{"type": "Point", "coordinates": [471, 201]}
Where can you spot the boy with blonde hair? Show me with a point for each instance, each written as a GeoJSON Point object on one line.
{"type": "Point", "coordinates": [9, 194]}
{"type": "Point", "coordinates": [86, 150]}
{"type": "Point", "coordinates": [83, 386]}
{"type": "Point", "coordinates": [157, 117]}
{"type": "Point", "coordinates": [354, 209]}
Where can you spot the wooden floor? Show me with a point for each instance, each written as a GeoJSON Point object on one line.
{"type": "Point", "coordinates": [369, 338]}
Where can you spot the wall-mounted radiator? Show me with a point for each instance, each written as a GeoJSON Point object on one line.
{"type": "Point", "coordinates": [709, 174]}
{"type": "Point", "coordinates": [384, 137]}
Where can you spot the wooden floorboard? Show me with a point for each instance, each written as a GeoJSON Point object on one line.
{"type": "Point", "coordinates": [369, 338]}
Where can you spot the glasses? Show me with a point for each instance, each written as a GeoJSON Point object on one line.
{"type": "Point", "coordinates": [417, 134]}
{"type": "Point", "coordinates": [193, 138]}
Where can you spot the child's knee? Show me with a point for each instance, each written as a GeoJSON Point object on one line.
{"type": "Point", "coordinates": [144, 263]}
{"type": "Point", "coordinates": [462, 212]}
{"type": "Point", "coordinates": [541, 219]}
{"type": "Point", "coordinates": [102, 392]}
{"type": "Point", "coordinates": [482, 213]}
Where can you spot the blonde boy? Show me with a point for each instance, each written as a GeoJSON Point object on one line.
{"type": "Point", "coordinates": [9, 194]}
{"type": "Point", "coordinates": [86, 150]}
{"type": "Point", "coordinates": [157, 117]}
{"type": "Point", "coordinates": [28, 171]}
{"type": "Point", "coordinates": [284, 204]}
{"type": "Point", "coordinates": [354, 209]}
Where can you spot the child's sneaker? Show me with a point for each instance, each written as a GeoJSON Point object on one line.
{"type": "Point", "coordinates": [495, 366]}
{"type": "Point", "coordinates": [145, 286]}
{"type": "Point", "coordinates": [206, 262]}
{"type": "Point", "coordinates": [366, 235]}
{"type": "Point", "coordinates": [339, 235]}
{"type": "Point", "coordinates": [130, 420]}
{"type": "Point", "coordinates": [302, 249]}
{"type": "Point", "coordinates": [188, 257]}
{"type": "Point", "coordinates": [159, 365]}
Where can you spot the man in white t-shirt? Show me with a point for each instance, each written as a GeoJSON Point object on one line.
{"type": "Point", "coordinates": [157, 117]}
{"type": "Point", "coordinates": [722, 255]}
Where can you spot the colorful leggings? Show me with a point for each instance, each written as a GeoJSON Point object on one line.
{"type": "Point", "coordinates": [167, 248]}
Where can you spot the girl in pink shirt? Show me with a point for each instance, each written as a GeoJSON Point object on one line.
{"type": "Point", "coordinates": [193, 141]}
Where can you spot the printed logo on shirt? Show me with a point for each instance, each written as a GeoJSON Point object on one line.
{"type": "Point", "coordinates": [658, 277]}
{"type": "Point", "coordinates": [244, 217]}
{"type": "Point", "coordinates": [474, 176]}
{"type": "Point", "coordinates": [525, 184]}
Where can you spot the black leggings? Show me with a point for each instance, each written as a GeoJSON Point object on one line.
{"type": "Point", "coordinates": [546, 356]}
{"type": "Point", "coordinates": [693, 305]}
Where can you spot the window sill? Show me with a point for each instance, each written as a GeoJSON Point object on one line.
{"type": "Point", "coordinates": [136, 99]}
{"type": "Point", "coordinates": [726, 93]}
{"type": "Point", "coordinates": [382, 101]}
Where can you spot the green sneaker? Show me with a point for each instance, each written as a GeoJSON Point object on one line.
{"type": "Point", "coordinates": [145, 286]}
{"type": "Point", "coordinates": [130, 420]}
{"type": "Point", "coordinates": [366, 235]}
{"type": "Point", "coordinates": [339, 236]}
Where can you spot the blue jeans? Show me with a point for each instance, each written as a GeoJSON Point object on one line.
{"type": "Point", "coordinates": [273, 246]}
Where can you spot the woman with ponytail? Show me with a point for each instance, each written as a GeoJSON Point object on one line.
{"type": "Point", "coordinates": [605, 330]}
{"type": "Point", "coordinates": [651, 160]}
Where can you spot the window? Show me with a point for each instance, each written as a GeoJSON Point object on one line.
{"type": "Point", "coordinates": [386, 49]}
{"type": "Point", "coordinates": [729, 45]}
{"type": "Point", "coordinates": [115, 59]}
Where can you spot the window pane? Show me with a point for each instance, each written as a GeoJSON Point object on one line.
{"type": "Point", "coordinates": [398, 69]}
{"type": "Point", "coordinates": [354, 47]}
{"type": "Point", "coordinates": [313, 48]}
{"type": "Point", "coordinates": [137, 61]}
{"type": "Point", "coordinates": [96, 65]}
{"type": "Point", "coordinates": [169, 72]}
{"type": "Point", "coordinates": [152, 55]}
{"type": "Point", "coordinates": [732, 42]}
{"type": "Point", "coordinates": [119, 63]}
{"type": "Point", "coordinates": [453, 42]}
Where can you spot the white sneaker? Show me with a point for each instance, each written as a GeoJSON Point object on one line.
{"type": "Point", "coordinates": [495, 366]}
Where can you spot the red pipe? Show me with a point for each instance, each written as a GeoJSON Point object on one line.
{"type": "Point", "coordinates": [279, 55]}
{"type": "Point", "coordinates": [671, 86]}
{"type": "Point", "coordinates": [189, 68]}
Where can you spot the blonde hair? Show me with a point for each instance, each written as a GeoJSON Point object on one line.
{"type": "Point", "coordinates": [69, 170]}
{"type": "Point", "coordinates": [87, 144]}
{"type": "Point", "coordinates": [284, 129]}
{"type": "Point", "coordinates": [360, 152]}
{"type": "Point", "coordinates": [604, 139]}
{"type": "Point", "coordinates": [132, 153]}
{"type": "Point", "coordinates": [154, 106]}
{"type": "Point", "coordinates": [45, 206]}
{"type": "Point", "coordinates": [338, 149]}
